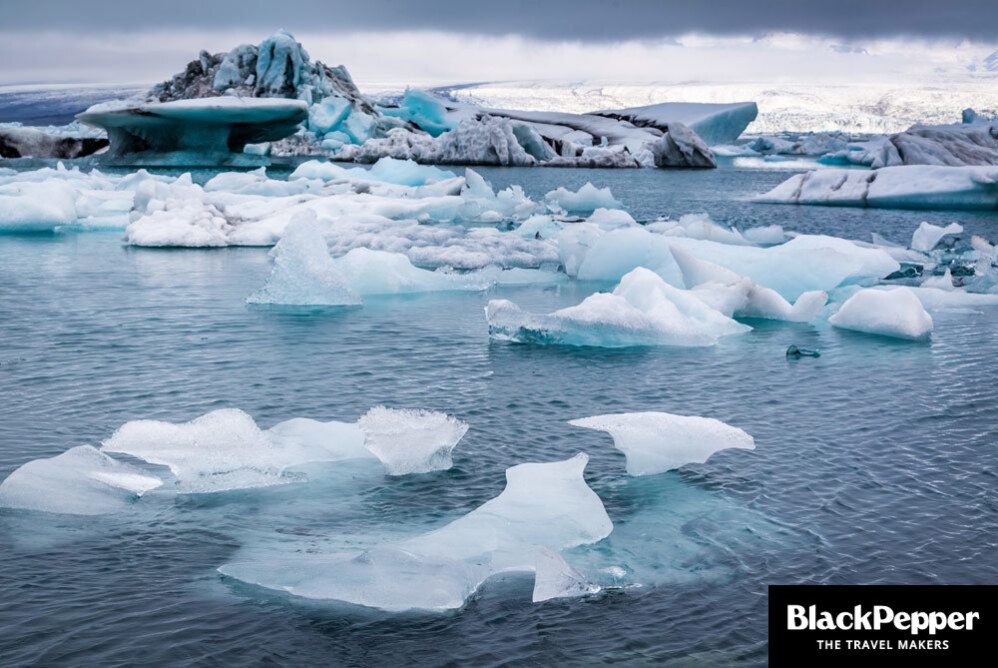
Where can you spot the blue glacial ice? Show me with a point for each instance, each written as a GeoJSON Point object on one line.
{"type": "Point", "coordinates": [658, 442]}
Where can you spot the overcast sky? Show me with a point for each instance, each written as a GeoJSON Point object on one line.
{"type": "Point", "coordinates": [126, 40]}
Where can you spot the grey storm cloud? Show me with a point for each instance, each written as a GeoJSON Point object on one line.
{"type": "Point", "coordinates": [600, 20]}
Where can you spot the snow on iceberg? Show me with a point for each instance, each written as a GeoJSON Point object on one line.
{"type": "Point", "coordinates": [543, 505]}
{"type": "Point", "coordinates": [643, 310]}
{"type": "Point", "coordinates": [896, 312]}
{"type": "Point", "coordinates": [80, 481]}
{"type": "Point", "coordinates": [908, 187]}
{"type": "Point", "coordinates": [658, 442]}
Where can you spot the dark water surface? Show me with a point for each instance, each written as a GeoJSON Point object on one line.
{"type": "Point", "coordinates": [875, 463]}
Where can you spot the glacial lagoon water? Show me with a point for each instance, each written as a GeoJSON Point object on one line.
{"type": "Point", "coordinates": [874, 463]}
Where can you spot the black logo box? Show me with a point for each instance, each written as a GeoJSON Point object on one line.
{"type": "Point", "coordinates": [888, 646]}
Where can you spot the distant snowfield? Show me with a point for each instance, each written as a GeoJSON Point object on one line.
{"type": "Point", "coordinates": [865, 108]}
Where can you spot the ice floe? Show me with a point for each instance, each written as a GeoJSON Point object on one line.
{"type": "Point", "coordinates": [544, 505]}
{"type": "Point", "coordinates": [658, 442]}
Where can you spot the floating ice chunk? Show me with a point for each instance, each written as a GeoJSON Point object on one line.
{"type": "Point", "coordinates": [411, 441]}
{"type": "Point", "coordinates": [304, 273]}
{"type": "Point", "coordinates": [658, 442]}
{"type": "Point", "coordinates": [554, 578]}
{"type": "Point", "coordinates": [928, 236]}
{"type": "Point", "coordinates": [80, 481]}
{"type": "Point", "coordinates": [543, 505]}
{"type": "Point", "coordinates": [225, 450]}
{"type": "Point", "coordinates": [735, 296]}
{"type": "Point", "coordinates": [387, 170]}
{"type": "Point", "coordinates": [219, 451]}
{"type": "Point", "coordinates": [642, 310]}
{"type": "Point", "coordinates": [35, 207]}
{"type": "Point", "coordinates": [584, 201]}
{"type": "Point", "coordinates": [896, 312]}
{"type": "Point", "coordinates": [766, 235]}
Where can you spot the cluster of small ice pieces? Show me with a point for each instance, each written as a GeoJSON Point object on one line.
{"type": "Point", "coordinates": [341, 235]}
{"type": "Point", "coordinates": [545, 508]}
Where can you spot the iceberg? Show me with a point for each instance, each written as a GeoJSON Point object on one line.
{"type": "Point", "coordinates": [908, 187]}
{"type": "Point", "coordinates": [658, 442]}
{"type": "Point", "coordinates": [80, 481]}
{"type": "Point", "coordinates": [544, 505]}
{"type": "Point", "coordinates": [643, 310]}
{"type": "Point", "coordinates": [895, 312]}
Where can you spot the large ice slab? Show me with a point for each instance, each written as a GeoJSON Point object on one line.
{"type": "Point", "coordinates": [908, 187]}
{"type": "Point", "coordinates": [80, 481]}
{"type": "Point", "coordinates": [544, 505]}
{"type": "Point", "coordinates": [896, 312]}
{"type": "Point", "coordinates": [658, 442]}
{"type": "Point", "coordinates": [643, 310]}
